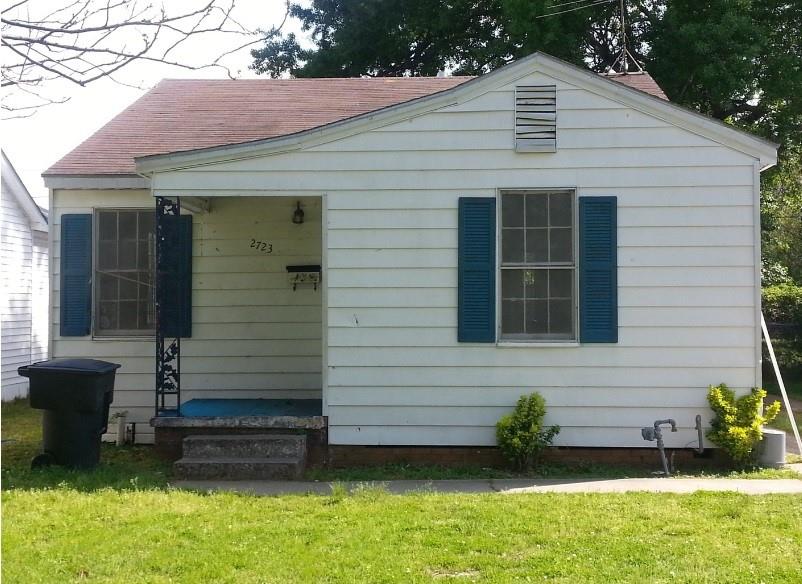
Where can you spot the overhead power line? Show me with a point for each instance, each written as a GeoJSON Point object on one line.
{"type": "Point", "coordinates": [591, 4]}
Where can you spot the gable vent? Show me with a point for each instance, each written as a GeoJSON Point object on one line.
{"type": "Point", "coordinates": [536, 118]}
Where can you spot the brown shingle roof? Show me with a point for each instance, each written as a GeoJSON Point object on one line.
{"type": "Point", "coordinates": [187, 114]}
{"type": "Point", "coordinates": [642, 81]}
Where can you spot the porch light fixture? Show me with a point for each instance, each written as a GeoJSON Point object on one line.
{"type": "Point", "coordinates": [298, 214]}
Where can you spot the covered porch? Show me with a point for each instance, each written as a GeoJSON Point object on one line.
{"type": "Point", "coordinates": [238, 313]}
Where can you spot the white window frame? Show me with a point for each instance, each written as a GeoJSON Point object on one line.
{"type": "Point", "coordinates": [117, 334]}
{"type": "Point", "coordinates": [507, 342]}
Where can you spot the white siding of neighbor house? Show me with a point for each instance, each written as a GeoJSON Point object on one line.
{"type": "Point", "coordinates": [252, 336]}
{"type": "Point", "coordinates": [395, 371]}
{"type": "Point", "coordinates": [23, 263]}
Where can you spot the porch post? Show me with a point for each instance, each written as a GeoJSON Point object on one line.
{"type": "Point", "coordinates": [168, 350]}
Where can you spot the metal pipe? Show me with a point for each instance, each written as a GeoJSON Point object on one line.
{"type": "Point", "coordinates": [701, 448]}
{"type": "Point", "coordinates": [121, 437]}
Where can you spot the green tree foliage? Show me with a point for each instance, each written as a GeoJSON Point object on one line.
{"type": "Point", "coordinates": [736, 60]}
{"type": "Point", "coordinates": [781, 217]}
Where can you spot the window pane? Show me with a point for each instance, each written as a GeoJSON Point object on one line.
{"type": "Point", "coordinates": [512, 246]}
{"type": "Point", "coordinates": [127, 225]}
{"type": "Point", "coordinates": [107, 316]}
{"type": "Point", "coordinates": [128, 288]}
{"type": "Point", "coordinates": [145, 316]}
{"type": "Point", "coordinates": [560, 212]}
{"type": "Point", "coordinates": [107, 287]}
{"type": "Point", "coordinates": [536, 282]}
{"type": "Point", "coordinates": [561, 243]}
{"type": "Point", "coordinates": [127, 257]}
{"type": "Point", "coordinates": [145, 293]}
{"type": "Point", "coordinates": [561, 283]}
{"type": "Point", "coordinates": [512, 317]}
{"type": "Point", "coordinates": [561, 317]}
{"type": "Point", "coordinates": [107, 225]}
{"type": "Point", "coordinates": [143, 256]}
{"type": "Point", "coordinates": [146, 224]}
{"type": "Point", "coordinates": [537, 210]}
{"type": "Point", "coordinates": [512, 211]}
{"type": "Point", "coordinates": [536, 317]}
{"type": "Point", "coordinates": [537, 245]}
{"type": "Point", "coordinates": [512, 285]}
{"type": "Point", "coordinates": [128, 315]}
{"type": "Point", "coordinates": [107, 255]}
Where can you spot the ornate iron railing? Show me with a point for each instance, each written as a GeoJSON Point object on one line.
{"type": "Point", "coordinates": [168, 350]}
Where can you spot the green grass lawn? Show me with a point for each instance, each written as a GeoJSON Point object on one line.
{"type": "Point", "coordinates": [125, 523]}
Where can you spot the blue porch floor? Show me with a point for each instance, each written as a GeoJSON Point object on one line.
{"type": "Point", "coordinates": [207, 408]}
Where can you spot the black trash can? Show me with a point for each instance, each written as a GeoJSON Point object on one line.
{"type": "Point", "coordinates": [75, 395]}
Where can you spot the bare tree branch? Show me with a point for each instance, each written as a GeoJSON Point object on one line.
{"type": "Point", "coordinates": [81, 41]}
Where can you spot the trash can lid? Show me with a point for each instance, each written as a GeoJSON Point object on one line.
{"type": "Point", "coordinates": [75, 366]}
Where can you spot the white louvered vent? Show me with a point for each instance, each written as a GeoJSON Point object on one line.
{"type": "Point", "coordinates": [536, 118]}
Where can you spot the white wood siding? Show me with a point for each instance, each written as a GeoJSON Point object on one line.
{"type": "Point", "coordinates": [395, 372]}
{"type": "Point", "coordinates": [23, 264]}
{"type": "Point", "coordinates": [252, 336]}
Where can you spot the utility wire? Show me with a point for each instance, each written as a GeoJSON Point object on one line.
{"type": "Point", "coordinates": [553, 6]}
{"type": "Point", "coordinates": [575, 8]}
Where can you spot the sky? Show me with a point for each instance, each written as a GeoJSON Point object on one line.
{"type": "Point", "coordinates": [33, 144]}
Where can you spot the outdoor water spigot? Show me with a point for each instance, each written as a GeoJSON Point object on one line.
{"type": "Point", "coordinates": [671, 421]}
{"type": "Point", "coordinates": [655, 433]}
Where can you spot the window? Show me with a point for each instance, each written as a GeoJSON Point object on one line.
{"type": "Point", "coordinates": [538, 266]}
{"type": "Point", "coordinates": [124, 273]}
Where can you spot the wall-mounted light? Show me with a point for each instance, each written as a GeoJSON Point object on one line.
{"type": "Point", "coordinates": [298, 214]}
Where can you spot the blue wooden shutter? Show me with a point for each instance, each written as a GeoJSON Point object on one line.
{"type": "Point", "coordinates": [174, 273]}
{"type": "Point", "coordinates": [477, 270]}
{"type": "Point", "coordinates": [76, 275]}
{"type": "Point", "coordinates": [598, 263]}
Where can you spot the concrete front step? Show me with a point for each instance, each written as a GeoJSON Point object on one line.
{"type": "Point", "coordinates": [270, 446]}
{"type": "Point", "coordinates": [239, 468]}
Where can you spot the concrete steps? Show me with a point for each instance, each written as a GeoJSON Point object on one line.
{"type": "Point", "coordinates": [242, 457]}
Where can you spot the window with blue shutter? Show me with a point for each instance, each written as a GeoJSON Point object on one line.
{"type": "Point", "coordinates": [124, 268]}
{"type": "Point", "coordinates": [477, 270]}
{"type": "Point", "coordinates": [174, 273]}
{"type": "Point", "coordinates": [76, 275]}
{"type": "Point", "coordinates": [598, 263]}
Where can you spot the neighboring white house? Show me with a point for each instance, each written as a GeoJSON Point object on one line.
{"type": "Point", "coordinates": [23, 251]}
{"type": "Point", "coordinates": [537, 228]}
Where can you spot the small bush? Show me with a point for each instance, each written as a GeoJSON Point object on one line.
{"type": "Point", "coordinates": [783, 303]}
{"type": "Point", "coordinates": [521, 436]}
{"type": "Point", "coordinates": [737, 425]}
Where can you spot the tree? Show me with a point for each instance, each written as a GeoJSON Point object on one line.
{"type": "Point", "coordinates": [737, 60]}
{"type": "Point", "coordinates": [81, 41]}
{"type": "Point", "coordinates": [781, 219]}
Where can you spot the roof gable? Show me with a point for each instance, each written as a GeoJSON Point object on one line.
{"type": "Point", "coordinates": [13, 183]}
{"type": "Point", "coordinates": [184, 123]}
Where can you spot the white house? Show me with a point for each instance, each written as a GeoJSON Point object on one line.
{"type": "Point", "coordinates": [23, 246]}
{"type": "Point", "coordinates": [540, 227]}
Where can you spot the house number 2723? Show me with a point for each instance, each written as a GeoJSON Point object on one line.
{"type": "Point", "coordinates": [262, 246]}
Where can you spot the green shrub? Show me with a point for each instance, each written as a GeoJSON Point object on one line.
{"type": "Point", "coordinates": [521, 436]}
{"type": "Point", "coordinates": [737, 425]}
{"type": "Point", "coordinates": [783, 303]}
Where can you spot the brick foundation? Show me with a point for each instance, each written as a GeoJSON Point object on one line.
{"type": "Point", "coordinates": [342, 456]}
{"type": "Point", "coordinates": [319, 453]}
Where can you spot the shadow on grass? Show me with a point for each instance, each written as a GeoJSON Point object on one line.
{"type": "Point", "coordinates": [129, 467]}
